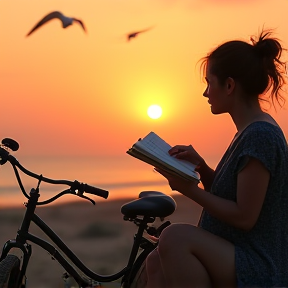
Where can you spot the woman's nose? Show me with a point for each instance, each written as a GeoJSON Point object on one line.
{"type": "Point", "coordinates": [205, 93]}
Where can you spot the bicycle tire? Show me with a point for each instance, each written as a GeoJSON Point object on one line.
{"type": "Point", "coordinates": [138, 277]}
{"type": "Point", "coordinates": [9, 271]}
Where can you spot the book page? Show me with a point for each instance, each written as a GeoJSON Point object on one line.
{"type": "Point", "coordinates": [153, 145]}
{"type": "Point", "coordinates": [154, 161]}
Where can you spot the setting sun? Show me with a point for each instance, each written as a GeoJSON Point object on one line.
{"type": "Point", "coordinates": [154, 111]}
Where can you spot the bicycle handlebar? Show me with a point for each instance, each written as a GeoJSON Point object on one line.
{"type": "Point", "coordinates": [5, 156]}
{"type": "Point", "coordinates": [95, 191]}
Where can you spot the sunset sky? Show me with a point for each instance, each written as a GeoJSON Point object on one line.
{"type": "Point", "coordinates": [64, 92]}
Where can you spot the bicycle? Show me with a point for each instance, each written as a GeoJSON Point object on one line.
{"type": "Point", "coordinates": [142, 212]}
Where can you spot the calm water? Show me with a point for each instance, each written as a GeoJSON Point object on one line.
{"type": "Point", "coordinates": [123, 176]}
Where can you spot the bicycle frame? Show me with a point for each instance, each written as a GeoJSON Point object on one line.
{"type": "Point", "coordinates": [23, 236]}
{"type": "Point", "coordinates": [148, 212]}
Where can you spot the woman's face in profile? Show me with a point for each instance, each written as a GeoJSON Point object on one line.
{"type": "Point", "coordinates": [214, 92]}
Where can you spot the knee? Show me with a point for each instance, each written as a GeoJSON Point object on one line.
{"type": "Point", "coordinates": [152, 261]}
{"type": "Point", "coordinates": [174, 236]}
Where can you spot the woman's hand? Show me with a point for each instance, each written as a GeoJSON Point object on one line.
{"type": "Point", "coordinates": [187, 153]}
{"type": "Point", "coordinates": [177, 183]}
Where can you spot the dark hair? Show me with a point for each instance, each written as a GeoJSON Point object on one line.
{"type": "Point", "coordinates": [257, 66]}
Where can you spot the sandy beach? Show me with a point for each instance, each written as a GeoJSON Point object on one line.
{"type": "Point", "coordinates": [96, 234]}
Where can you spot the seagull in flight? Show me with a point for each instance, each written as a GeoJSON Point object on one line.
{"type": "Point", "coordinates": [136, 33]}
{"type": "Point", "coordinates": [66, 21]}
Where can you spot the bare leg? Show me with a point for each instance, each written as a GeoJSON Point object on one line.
{"type": "Point", "coordinates": [154, 271]}
{"type": "Point", "coordinates": [193, 257]}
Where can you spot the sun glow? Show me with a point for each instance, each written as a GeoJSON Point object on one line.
{"type": "Point", "coordinates": [154, 111]}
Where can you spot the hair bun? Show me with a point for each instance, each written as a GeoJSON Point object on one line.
{"type": "Point", "coordinates": [267, 47]}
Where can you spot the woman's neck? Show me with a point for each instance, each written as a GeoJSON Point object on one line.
{"type": "Point", "coordinates": [245, 114]}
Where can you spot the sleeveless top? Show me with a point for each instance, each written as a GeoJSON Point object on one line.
{"type": "Point", "coordinates": [261, 254]}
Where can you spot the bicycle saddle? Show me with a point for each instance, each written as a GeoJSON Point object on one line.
{"type": "Point", "coordinates": [150, 203]}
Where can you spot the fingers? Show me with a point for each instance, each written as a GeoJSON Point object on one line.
{"type": "Point", "coordinates": [178, 149]}
{"type": "Point", "coordinates": [185, 152]}
{"type": "Point", "coordinates": [173, 151]}
{"type": "Point", "coordinates": [182, 155]}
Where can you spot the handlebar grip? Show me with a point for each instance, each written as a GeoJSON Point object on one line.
{"type": "Point", "coordinates": [96, 191]}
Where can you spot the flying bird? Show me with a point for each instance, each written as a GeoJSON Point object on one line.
{"type": "Point", "coordinates": [136, 33]}
{"type": "Point", "coordinates": [66, 21]}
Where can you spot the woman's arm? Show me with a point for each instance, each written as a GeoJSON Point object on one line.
{"type": "Point", "coordinates": [252, 184]}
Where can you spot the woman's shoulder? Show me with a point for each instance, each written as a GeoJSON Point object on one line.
{"type": "Point", "coordinates": [263, 126]}
{"type": "Point", "coordinates": [264, 141]}
{"type": "Point", "coordinates": [263, 132]}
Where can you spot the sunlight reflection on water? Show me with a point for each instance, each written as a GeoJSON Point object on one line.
{"type": "Point", "coordinates": [122, 175]}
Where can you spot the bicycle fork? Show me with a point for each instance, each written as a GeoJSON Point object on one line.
{"type": "Point", "coordinates": [20, 241]}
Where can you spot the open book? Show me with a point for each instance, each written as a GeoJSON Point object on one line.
{"type": "Point", "coordinates": [154, 150]}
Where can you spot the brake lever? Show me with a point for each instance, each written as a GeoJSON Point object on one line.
{"type": "Point", "coordinates": [85, 197]}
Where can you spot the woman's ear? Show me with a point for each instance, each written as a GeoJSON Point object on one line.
{"type": "Point", "coordinates": [230, 85]}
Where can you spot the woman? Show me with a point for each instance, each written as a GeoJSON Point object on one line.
{"type": "Point", "coordinates": [242, 236]}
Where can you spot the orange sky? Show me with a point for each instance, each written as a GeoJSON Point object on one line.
{"type": "Point", "coordinates": [66, 92]}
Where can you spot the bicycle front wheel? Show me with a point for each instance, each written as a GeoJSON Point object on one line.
{"type": "Point", "coordinates": [9, 271]}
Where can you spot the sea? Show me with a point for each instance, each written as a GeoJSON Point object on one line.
{"type": "Point", "coordinates": [121, 175]}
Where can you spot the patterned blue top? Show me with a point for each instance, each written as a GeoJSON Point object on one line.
{"type": "Point", "coordinates": [261, 254]}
